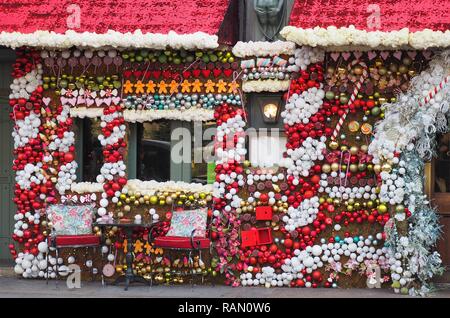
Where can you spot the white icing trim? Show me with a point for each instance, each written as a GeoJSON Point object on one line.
{"type": "Point", "coordinates": [136, 39]}
{"type": "Point", "coordinates": [191, 114]}
{"type": "Point", "coordinates": [265, 86]}
{"type": "Point", "coordinates": [350, 36]}
{"type": "Point", "coordinates": [151, 187]}
{"type": "Point", "coordinates": [244, 49]}
{"type": "Point", "coordinates": [145, 187]}
{"type": "Point", "coordinates": [82, 112]}
{"type": "Point", "coordinates": [86, 187]}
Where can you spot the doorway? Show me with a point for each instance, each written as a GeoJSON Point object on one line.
{"type": "Point", "coordinates": [437, 174]}
{"type": "Point", "coordinates": [7, 58]}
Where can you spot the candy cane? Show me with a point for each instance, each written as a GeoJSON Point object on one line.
{"type": "Point", "coordinates": [434, 91]}
{"type": "Point", "coordinates": [352, 97]}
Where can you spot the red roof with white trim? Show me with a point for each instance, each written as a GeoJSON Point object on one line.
{"type": "Point", "coordinates": [393, 14]}
{"type": "Point", "coordinates": [154, 16]}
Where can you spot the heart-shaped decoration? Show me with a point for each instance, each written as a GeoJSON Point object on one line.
{"type": "Point", "coordinates": [98, 101]}
{"type": "Point", "coordinates": [398, 55]}
{"type": "Point", "coordinates": [217, 72]}
{"type": "Point", "coordinates": [357, 54]}
{"type": "Point", "coordinates": [334, 56]}
{"type": "Point", "coordinates": [206, 73]}
{"type": "Point", "coordinates": [147, 75]}
{"type": "Point", "coordinates": [186, 74]}
{"type": "Point", "coordinates": [81, 100]}
{"type": "Point", "coordinates": [82, 199]}
{"type": "Point", "coordinates": [116, 100]}
{"type": "Point", "coordinates": [384, 55]}
{"type": "Point", "coordinates": [346, 55]}
{"type": "Point", "coordinates": [46, 100]}
{"type": "Point", "coordinates": [196, 73]}
{"type": "Point", "coordinates": [93, 197]}
{"type": "Point", "coordinates": [156, 74]}
{"type": "Point", "coordinates": [371, 55]}
{"type": "Point", "coordinates": [228, 72]}
{"type": "Point", "coordinates": [127, 74]}
{"type": "Point", "coordinates": [426, 54]}
{"type": "Point", "coordinates": [63, 100]}
{"type": "Point", "coordinates": [107, 101]}
{"type": "Point", "coordinates": [137, 74]}
{"type": "Point", "coordinates": [89, 102]}
{"type": "Point", "coordinates": [72, 101]}
{"type": "Point", "coordinates": [412, 54]}
{"type": "Point", "coordinates": [167, 74]}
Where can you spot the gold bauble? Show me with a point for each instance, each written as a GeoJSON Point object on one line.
{"type": "Point", "coordinates": [120, 215]}
{"type": "Point", "coordinates": [333, 145]}
{"type": "Point", "coordinates": [127, 208]}
{"type": "Point", "coordinates": [386, 167]}
{"type": "Point", "coordinates": [370, 204]}
{"type": "Point", "coordinates": [354, 150]}
{"type": "Point", "coordinates": [362, 166]}
{"type": "Point", "coordinates": [127, 200]}
{"type": "Point", "coordinates": [321, 200]}
{"type": "Point", "coordinates": [136, 202]}
{"type": "Point", "coordinates": [377, 169]}
{"type": "Point", "coordinates": [326, 168]}
{"type": "Point", "coordinates": [364, 148]}
{"type": "Point", "coordinates": [336, 202]}
{"type": "Point", "coordinates": [382, 208]}
{"type": "Point", "coordinates": [329, 200]}
{"type": "Point", "coordinates": [334, 166]}
{"type": "Point", "coordinates": [146, 198]}
{"type": "Point", "coordinates": [119, 204]}
{"type": "Point", "coordinates": [357, 205]}
{"type": "Point", "coordinates": [169, 200]}
{"type": "Point", "coordinates": [344, 148]}
{"type": "Point", "coordinates": [350, 208]}
{"type": "Point", "coordinates": [353, 167]}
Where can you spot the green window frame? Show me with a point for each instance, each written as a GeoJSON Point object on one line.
{"type": "Point", "coordinates": [178, 171]}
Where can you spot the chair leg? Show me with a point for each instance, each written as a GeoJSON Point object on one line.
{"type": "Point", "coordinates": [46, 269]}
{"type": "Point", "coordinates": [57, 266]}
{"type": "Point", "coordinates": [191, 265]}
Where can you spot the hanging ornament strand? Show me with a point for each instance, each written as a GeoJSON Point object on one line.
{"type": "Point", "coordinates": [352, 97]}
{"type": "Point", "coordinates": [434, 91]}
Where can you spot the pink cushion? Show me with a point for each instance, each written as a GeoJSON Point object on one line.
{"type": "Point", "coordinates": [181, 242]}
{"type": "Point", "coordinates": [183, 223]}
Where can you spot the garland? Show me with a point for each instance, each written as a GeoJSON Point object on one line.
{"type": "Point", "coordinates": [230, 152]}
{"type": "Point", "coordinates": [112, 173]}
{"type": "Point", "coordinates": [33, 190]}
{"type": "Point", "coordinates": [136, 39]}
{"type": "Point", "coordinates": [402, 141]}
{"type": "Point", "coordinates": [352, 37]}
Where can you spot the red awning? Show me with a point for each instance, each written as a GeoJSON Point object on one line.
{"type": "Point", "coordinates": [394, 14]}
{"type": "Point", "coordinates": [99, 16]}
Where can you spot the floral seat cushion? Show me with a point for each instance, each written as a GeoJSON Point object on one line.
{"type": "Point", "coordinates": [71, 219]}
{"type": "Point", "coordinates": [184, 222]}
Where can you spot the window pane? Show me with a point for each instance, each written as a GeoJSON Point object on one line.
{"type": "Point", "coordinates": [202, 150]}
{"type": "Point", "coordinates": [442, 166]}
{"type": "Point", "coordinates": [266, 150]}
{"type": "Point", "coordinates": [153, 151]}
{"type": "Point", "coordinates": [92, 149]}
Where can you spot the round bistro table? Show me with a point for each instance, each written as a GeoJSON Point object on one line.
{"type": "Point", "coordinates": [128, 228]}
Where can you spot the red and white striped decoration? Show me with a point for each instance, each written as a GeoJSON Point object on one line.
{"type": "Point", "coordinates": [352, 97]}
{"type": "Point", "coordinates": [434, 91]}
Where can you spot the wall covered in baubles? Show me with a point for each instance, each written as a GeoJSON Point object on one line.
{"type": "Point", "coordinates": [324, 217]}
